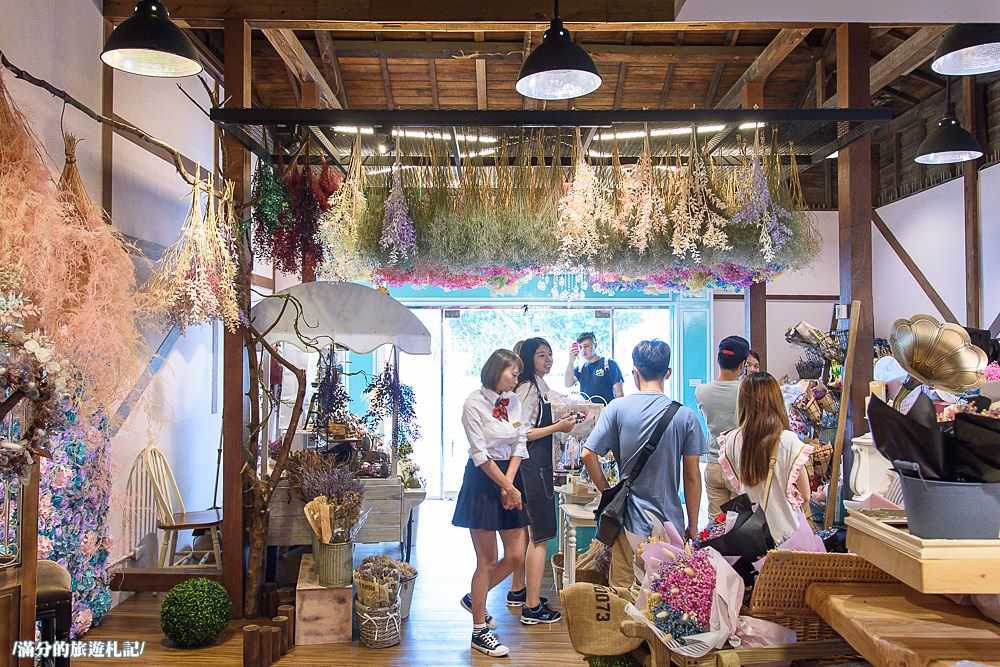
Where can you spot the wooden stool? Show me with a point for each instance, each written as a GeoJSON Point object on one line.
{"type": "Point", "coordinates": [54, 607]}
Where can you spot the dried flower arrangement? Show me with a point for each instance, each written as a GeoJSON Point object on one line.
{"type": "Point", "coordinates": [337, 229]}
{"type": "Point", "coordinates": [585, 213]}
{"type": "Point", "coordinates": [376, 585]}
{"type": "Point", "coordinates": [332, 400]}
{"type": "Point", "coordinates": [195, 280]}
{"type": "Point", "coordinates": [406, 571]}
{"type": "Point", "coordinates": [332, 493]}
{"type": "Point", "coordinates": [58, 250]}
{"type": "Point", "coordinates": [386, 391]}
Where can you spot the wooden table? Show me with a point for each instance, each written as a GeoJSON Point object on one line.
{"type": "Point", "coordinates": [892, 625]}
{"type": "Point", "coordinates": [573, 517]}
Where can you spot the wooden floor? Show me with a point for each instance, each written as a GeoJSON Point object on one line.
{"type": "Point", "coordinates": [436, 633]}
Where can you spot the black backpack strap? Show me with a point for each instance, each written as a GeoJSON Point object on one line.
{"type": "Point", "coordinates": [642, 456]}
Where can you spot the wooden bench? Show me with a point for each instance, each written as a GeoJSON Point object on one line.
{"type": "Point", "coordinates": [892, 625]}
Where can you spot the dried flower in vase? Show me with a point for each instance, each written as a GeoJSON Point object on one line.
{"type": "Point", "coordinates": [333, 493]}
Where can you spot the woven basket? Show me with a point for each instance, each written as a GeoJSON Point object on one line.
{"type": "Point", "coordinates": [379, 628]}
{"type": "Point", "coordinates": [583, 575]}
{"type": "Point", "coordinates": [779, 594]}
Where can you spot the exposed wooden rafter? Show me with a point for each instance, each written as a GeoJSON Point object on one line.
{"type": "Point", "coordinates": [386, 81]}
{"type": "Point", "coordinates": [640, 54]}
{"type": "Point", "coordinates": [331, 65]}
{"type": "Point", "coordinates": [902, 60]}
{"type": "Point", "coordinates": [432, 73]}
{"type": "Point", "coordinates": [527, 102]}
{"type": "Point", "coordinates": [769, 59]}
{"type": "Point", "coordinates": [669, 78]}
{"type": "Point", "coordinates": [713, 86]}
{"type": "Point", "coordinates": [294, 55]}
{"type": "Point", "coordinates": [481, 101]}
{"type": "Point", "coordinates": [622, 71]}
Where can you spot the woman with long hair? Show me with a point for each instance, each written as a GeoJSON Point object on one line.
{"type": "Point", "coordinates": [763, 441]}
{"type": "Point", "coordinates": [490, 501]}
{"type": "Point", "coordinates": [536, 473]}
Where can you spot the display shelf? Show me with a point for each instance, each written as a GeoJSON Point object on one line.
{"type": "Point", "coordinates": [929, 566]}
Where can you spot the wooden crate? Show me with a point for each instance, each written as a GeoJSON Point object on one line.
{"type": "Point", "coordinates": [929, 566]}
{"type": "Point", "coordinates": [322, 615]}
{"type": "Point", "coordinates": [386, 498]}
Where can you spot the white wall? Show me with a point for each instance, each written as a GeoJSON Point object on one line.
{"type": "Point", "coordinates": [819, 278]}
{"type": "Point", "coordinates": [60, 41]}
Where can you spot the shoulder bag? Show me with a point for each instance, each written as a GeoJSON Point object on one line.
{"type": "Point", "coordinates": [610, 512]}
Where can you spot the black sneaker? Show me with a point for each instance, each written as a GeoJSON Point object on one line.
{"type": "Point", "coordinates": [518, 598]}
{"type": "Point", "coordinates": [543, 614]}
{"type": "Point", "coordinates": [467, 606]}
{"type": "Point", "coordinates": [486, 642]}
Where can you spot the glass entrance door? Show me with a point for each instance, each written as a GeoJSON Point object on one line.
{"type": "Point", "coordinates": [462, 340]}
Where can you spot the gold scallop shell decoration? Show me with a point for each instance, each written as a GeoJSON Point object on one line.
{"type": "Point", "coordinates": [940, 355]}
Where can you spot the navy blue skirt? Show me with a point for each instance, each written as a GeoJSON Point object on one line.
{"type": "Point", "coordinates": [479, 505]}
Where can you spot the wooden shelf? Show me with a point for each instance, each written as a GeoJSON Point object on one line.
{"type": "Point", "coordinates": [929, 566]}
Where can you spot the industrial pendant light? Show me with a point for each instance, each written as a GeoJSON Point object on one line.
{"type": "Point", "coordinates": [948, 142]}
{"type": "Point", "coordinates": [151, 45]}
{"type": "Point", "coordinates": [969, 48]}
{"type": "Point", "coordinates": [557, 69]}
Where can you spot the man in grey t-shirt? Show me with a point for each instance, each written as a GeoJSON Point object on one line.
{"type": "Point", "coordinates": [624, 426]}
{"type": "Point", "coordinates": [717, 403]}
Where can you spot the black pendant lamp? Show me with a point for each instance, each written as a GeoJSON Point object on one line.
{"type": "Point", "coordinates": [948, 142]}
{"type": "Point", "coordinates": [967, 49]}
{"type": "Point", "coordinates": [150, 44]}
{"type": "Point", "coordinates": [557, 69]}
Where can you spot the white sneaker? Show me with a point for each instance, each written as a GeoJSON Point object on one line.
{"type": "Point", "coordinates": [487, 642]}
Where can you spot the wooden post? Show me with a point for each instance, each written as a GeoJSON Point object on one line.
{"type": "Point", "coordinates": [854, 184]}
{"type": "Point", "coordinates": [755, 296]}
{"type": "Point", "coordinates": [288, 611]}
{"type": "Point", "coordinates": [265, 645]}
{"type": "Point", "coordinates": [235, 168]}
{"type": "Point", "coordinates": [29, 560]}
{"type": "Point", "coordinates": [972, 98]}
{"type": "Point", "coordinates": [268, 599]}
{"type": "Point", "coordinates": [276, 644]}
{"type": "Point", "coordinates": [251, 646]}
{"type": "Point", "coordinates": [309, 100]}
{"type": "Point", "coordinates": [281, 622]}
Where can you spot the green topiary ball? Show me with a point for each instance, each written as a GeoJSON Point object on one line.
{"type": "Point", "coordinates": [195, 612]}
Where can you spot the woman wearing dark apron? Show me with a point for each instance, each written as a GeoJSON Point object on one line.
{"type": "Point", "coordinates": [536, 475]}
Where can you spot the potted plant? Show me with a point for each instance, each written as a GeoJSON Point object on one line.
{"type": "Point", "coordinates": [333, 499]}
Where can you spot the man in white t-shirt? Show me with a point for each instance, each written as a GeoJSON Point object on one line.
{"type": "Point", "coordinates": [717, 403]}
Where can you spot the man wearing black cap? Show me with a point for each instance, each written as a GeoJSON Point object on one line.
{"type": "Point", "coordinates": [717, 403]}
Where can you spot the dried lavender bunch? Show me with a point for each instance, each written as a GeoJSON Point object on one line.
{"type": "Point", "coordinates": [313, 474]}
{"type": "Point", "coordinates": [406, 571]}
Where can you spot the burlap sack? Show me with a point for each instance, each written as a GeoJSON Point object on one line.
{"type": "Point", "coordinates": [594, 615]}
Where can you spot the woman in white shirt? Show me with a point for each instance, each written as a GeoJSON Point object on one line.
{"type": "Point", "coordinates": [763, 440]}
{"type": "Point", "coordinates": [490, 501]}
{"type": "Point", "coordinates": [536, 473]}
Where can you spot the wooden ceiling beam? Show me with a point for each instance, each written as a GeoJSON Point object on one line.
{"type": "Point", "coordinates": [769, 59]}
{"type": "Point", "coordinates": [331, 65]}
{"type": "Point", "coordinates": [669, 78]}
{"type": "Point", "coordinates": [300, 63]}
{"type": "Point", "coordinates": [527, 102]}
{"type": "Point", "coordinates": [713, 86]}
{"type": "Point", "coordinates": [648, 54]}
{"type": "Point", "coordinates": [424, 15]}
{"type": "Point", "coordinates": [902, 60]}
{"type": "Point", "coordinates": [386, 81]}
{"type": "Point", "coordinates": [622, 71]}
{"type": "Point", "coordinates": [432, 72]}
{"type": "Point", "coordinates": [480, 76]}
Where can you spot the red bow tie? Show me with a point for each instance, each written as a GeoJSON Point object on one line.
{"type": "Point", "coordinates": [500, 409]}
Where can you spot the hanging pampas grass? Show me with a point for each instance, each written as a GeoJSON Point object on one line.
{"type": "Point", "coordinates": [73, 266]}
{"type": "Point", "coordinates": [195, 280]}
{"type": "Point", "coordinates": [583, 212]}
{"type": "Point", "coordinates": [643, 211]}
{"type": "Point", "coordinates": [697, 216]}
{"type": "Point", "coordinates": [337, 233]}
